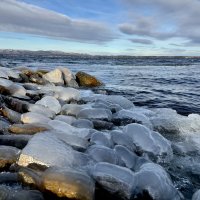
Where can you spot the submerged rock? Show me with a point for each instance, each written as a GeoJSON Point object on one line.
{"type": "Point", "coordinates": [87, 80]}
{"type": "Point", "coordinates": [69, 183]}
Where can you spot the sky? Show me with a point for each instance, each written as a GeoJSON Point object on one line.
{"type": "Point", "coordinates": [104, 27]}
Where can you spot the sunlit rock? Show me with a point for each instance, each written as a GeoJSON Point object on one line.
{"type": "Point", "coordinates": [55, 77]}
{"type": "Point", "coordinates": [32, 117]}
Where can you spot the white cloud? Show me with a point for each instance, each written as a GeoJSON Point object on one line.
{"type": "Point", "coordinates": [21, 17]}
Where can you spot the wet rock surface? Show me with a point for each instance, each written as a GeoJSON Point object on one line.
{"type": "Point", "coordinates": [60, 142]}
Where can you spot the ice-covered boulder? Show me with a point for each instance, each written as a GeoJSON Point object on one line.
{"type": "Point", "coordinates": [95, 113]}
{"type": "Point", "coordinates": [71, 109]}
{"type": "Point", "coordinates": [69, 78]}
{"type": "Point", "coordinates": [68, 129]}
{"type": "Point", "coordinates": [32, 117]}
{"type": "Point", "coordinates": [66, 119]}
{"type": "Point", "coordinates": [55, 77]}
{"type": "Point", "coordinates": [196, 195]}
{"type": "Point", "coordinates": [100, 138]}
{"type": "Point", "coordinates": [119, 138]}
{"type": "Point", "coordinates": [41, 109]}
{"type": "Point", "coordinates": [50, 102]}
{"type": "Point", "coordinates": [69, 183]}
{"type": "Point", "coordinates": [83, 123]}
{"type": "Point", "coordinates": [158, 184]}
{"type": "Point", "coordinates": [48, 150]}
{"type": "Point", "coordinates": [127, 117]}
{"type": "Point", "coordinates": [103, 154]}
{"type": "Point", "coordinates": [115, 179]}
{"type": "Point", "coordinates": [149, 141]}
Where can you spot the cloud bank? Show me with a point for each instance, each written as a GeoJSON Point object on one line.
{"type": "Point", "coordinates": [21, 17]}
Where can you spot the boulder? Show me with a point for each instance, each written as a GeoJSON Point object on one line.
{"type": "Point", "coordinates": [32, 117]}
{"type": "Point", "coordinates": [95, 113]}
{"type": "Point", "coordinates": [196, 195]}
{"type": "Point", "coordinates": [69, 183]}
{"type": "Point", "coordinates": [87, 80]}
{"type": "Point", "coordinates": [51, 103]}
{"type": "Point", "coordinates": [72, 109]}
{"type": "Point", "coordinates": [115, 179]}
{"type": "Point", "coordinates": [69, 78]}
{"type": "Point", "coordinates": [4, 125]}
{"type": "Point", "coordinates": [66, 119]}
{"type": "Point", "coordinates": [158, 184]}
{"type": "Point", "coordinates": [8, 155]}
{"type": "Point", "coordinates": [83, 123]}
{"type": "Point", "coordinates": [55, 77]}
{"type": "Point", "coordinates": [28, 129]}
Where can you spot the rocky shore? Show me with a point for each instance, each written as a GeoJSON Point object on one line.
{"type": "Point", "coordinates": [59, 140]}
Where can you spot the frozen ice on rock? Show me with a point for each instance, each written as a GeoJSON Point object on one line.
{"type": "Point", "coordinates": [37, 108]}
{"type": "Point", "coordinates": [137, 117]}
{"type": "Point", "coordinates": [70, 183]}
{"type": "Point", "coordinates": [95, 113]}
{"type": "Point", "coordinates": [158, 184]}
{"type": "Point", "coordinates": [149, 141]}
{"type": "Point", "coordinates": [196, 195]}
{"type": "Point", "coordinates": [66, 119]}
{"type": "Point", "coordinates": [50, 102]}
{"type": "Point", "coordinates": [66, 94]}
{"type": "Point", "coordinates": [48, 150]}
{"type": "Point", "coordinates": [100, 138]}
{"type": "Point", "coordinates": [68, 129]}
{"type": "Point", "coordinates": [32, 117]}
{"type": "Point", "coordinates": [119, 138]}
{"type": "Point", "coordinates": [55, 77]}
{"type": "Point", "coordinates": [71, 109]}
{"type": "Point", "coordinates": [103, 154]}
{"type": "Point", "coordinates": [115, 179]}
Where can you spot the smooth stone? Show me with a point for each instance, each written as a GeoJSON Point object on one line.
{"type": "Point", "coordinates": [51, 103]}
{"type": "Point", "coordinates": [17, 90]}
{"type": "Point", "coordinates": [66, 119]}
{"type": "Point", "coordinates": [115, 179]}
{"type": "Point", "coordinates": [149, 141]}
{"type": "Point", "coordinates": [196, 195]}
{"type": "Point", "coordinates": [72, 109]}
{"type": "Point", "coordinates": [120, 138]}
{"type": "Point", "coordinates": [69, 78]}
{"type": "Point", "coordinates": [87, 80]}
{"type": "Point", "coordinates": [55, 77]}
{"type": "Point", "coordinates": [103, 154]}
{"type": "Point", "coordinates": [54, 153]}
{"type": "Point", "coordinates": [31, 117]}
{"type": "Point", "coordinates": [8, 155]}
{"type": "Point", "coordinates": [8, 73]}
{"type": "Point", "coordinates": [28, 129]}
{"type": "Point", "coordinates": [11, 115]}
{"type": "Point", "coordinates": [95, 113]}
{"type": "Point", "coordinates": [99, 138]}
{"type": "Point", "coordinates": [5, 83]}
{"type": "Point", "coordinates": [83, 123]}
{"type": "Point", "coordinates": [158, 184]}
{"type": "Point", "coordinates": [37, 108]}
{"type": "Point", "coordinates": [4, 126]}
{"type": "Point", "coordinates": [3, 74]}
{"type": "Point", "coordinates": [18, 141]}
{"type": "Point", "coordinates": [102, 125]}
{"type": "Point", "coordinates": [69, 183]}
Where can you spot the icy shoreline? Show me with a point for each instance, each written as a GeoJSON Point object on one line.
{"type": "Point", "coordinates": [69, 142]}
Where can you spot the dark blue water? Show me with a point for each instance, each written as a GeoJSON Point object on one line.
{"type": "Point", "coordinates": [172, 82]}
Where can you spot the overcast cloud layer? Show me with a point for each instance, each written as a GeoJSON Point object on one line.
{"type": "Point", "coordinates": [164, 19]}
{"type": "Point", "coordinates": [21, 17]}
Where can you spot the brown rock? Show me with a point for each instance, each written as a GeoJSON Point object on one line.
{"type": "Point", "coordinates": [29, 129]}
{"type": "Point", "coordinates": [87, 80]}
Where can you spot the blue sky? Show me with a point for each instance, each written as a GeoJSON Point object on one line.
{"type": "Point", "coordinates": [106, 27]}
